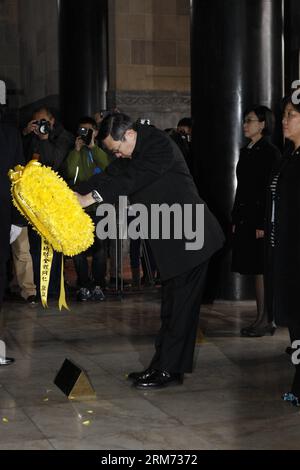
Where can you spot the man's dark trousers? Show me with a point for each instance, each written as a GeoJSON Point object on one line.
{"type": "Point", "coordinates": [180, 307]}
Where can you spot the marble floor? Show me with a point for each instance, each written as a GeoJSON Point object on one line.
{"type": "Point", "coordinates": [231, 401]}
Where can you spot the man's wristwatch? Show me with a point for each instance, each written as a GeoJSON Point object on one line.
{"type": "Point", "coordinates": [96, 196]}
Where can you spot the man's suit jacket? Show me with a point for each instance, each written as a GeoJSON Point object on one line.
{"type": "Point", "coordinates": [11, 154]}
{"type": "Point", "coordinates": [157, 174]}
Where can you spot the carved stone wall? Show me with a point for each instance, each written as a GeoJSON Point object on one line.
{"type": "Point", "coordinates": [163, 108]}
{"type": "Point", "coordinates": [150, 59]}
{"type": "Point", "coordinates": [149, 56]}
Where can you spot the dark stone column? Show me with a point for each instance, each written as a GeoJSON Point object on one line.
{"type": "Point", "coordinates": [292, 42]}
{"type": "Point", "coordinates": [237, 61]}
{"type": "Point", "coordinates": [83, 57]}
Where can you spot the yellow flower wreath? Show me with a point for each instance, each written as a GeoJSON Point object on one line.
{"type": "Point", "coordinates": [45, 199]}
{"type": "Point", "coordinates": [47, 202]}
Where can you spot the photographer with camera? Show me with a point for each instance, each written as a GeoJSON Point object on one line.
{"type": "Point", "coordinates": [182, 135]}
{"type": "Point", "coordinates": [46, 137]}
{"type": "Point", "coordinates": [84, 161]}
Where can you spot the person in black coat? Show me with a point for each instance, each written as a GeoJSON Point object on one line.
{"type": "Point", "coordinates": [182, 135]}
{"type": "Point", "coordinates": [46, 139]}
{"type": "Point", "coordinates": [248, 215]}
{"type": "Point", "coordinates": [283, 240]}
{"type": "Point", "coordinates": [11, 154]}
{"type": "Point", "coordinates": [151, 170]}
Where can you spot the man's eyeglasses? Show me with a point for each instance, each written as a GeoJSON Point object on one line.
{"type": "Point", "coordinates": [117, 150]}
{"type": "Point", "coordinates": [249, 120]}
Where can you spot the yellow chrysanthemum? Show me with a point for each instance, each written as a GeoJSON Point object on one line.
{"type": "Point", "coordinates": [45, 199]}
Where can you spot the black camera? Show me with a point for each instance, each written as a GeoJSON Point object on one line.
{"type": "Point", "coordinates": [186, 137]}
{"type": "Point", "coordinates": [44, 126]}
{"type": "Point", "coordinates": [85, 134]}
{"type": "Point", "coordinates": [144, 121]}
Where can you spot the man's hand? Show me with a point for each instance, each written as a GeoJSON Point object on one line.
{"type": "Point", "coordinates": [260, 234]}
{"type": "Point", "coordinates": [31, 127]}
{"type": "Point", "coordinates": [85, 200]}
{"type": "Point", "coordinates": [92, 143]}
{"type": "Point", "coordinates": [79, 144]}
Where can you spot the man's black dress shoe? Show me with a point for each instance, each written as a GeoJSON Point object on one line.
{"type": "Point", "coordinates": [145, 374]}
{"type": "Point", "coordinates": [258, 332]}
{"type": "Point", "coordinates": [5, 361]}
{"type": "Point", "coordinates": [159, 379]}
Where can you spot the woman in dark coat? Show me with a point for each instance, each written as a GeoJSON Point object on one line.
{"type": "Point", "coordinates": [283, 240]}
{"type": "Point", "coordinates": [248, 214]}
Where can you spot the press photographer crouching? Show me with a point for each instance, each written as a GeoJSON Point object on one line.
{"type": "Point", "coordinates": [84, 161]}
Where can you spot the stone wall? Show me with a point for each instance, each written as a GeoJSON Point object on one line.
{"type": "Point", "coordinates": [163, 108]}
{"type": "Point", "coordinates": [9, 50]}
{"type": "Point", "coordinates": [149, 56]}
{"type": "Point", "coordinates": [38, 34]}
{"type": "Point", "coordinates": [150, 65]}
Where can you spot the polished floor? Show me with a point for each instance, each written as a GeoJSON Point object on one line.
{"type": "Point", "coordinates": [231, 401]}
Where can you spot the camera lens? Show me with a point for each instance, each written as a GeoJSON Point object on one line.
{"type": "Point", "coordinates": [85, 134]}
{"type": "Point", "coordinates": [44, 126]}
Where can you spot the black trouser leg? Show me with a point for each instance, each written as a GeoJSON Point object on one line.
{"type": "Point", "coordinates": [181, 300]}
{"type": "Point", "coordinates": [99, 261]}
{"type": "Point", "coordinates": [294, 330]}
{"type": "Point", "coordinates": [82, 270]}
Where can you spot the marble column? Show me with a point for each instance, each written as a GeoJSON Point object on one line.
{"type": "Point", "coordinates": [83, 58]}
{"type": "Point", "coordinates": [237, 61]}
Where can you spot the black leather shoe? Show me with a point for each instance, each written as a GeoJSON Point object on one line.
{"type": "Point", "coordinates": [5, 361]}
{"type": "Point", "coordinates": [141, 375]}
{"type": "Point", "coordinates": [258, 332]}
{"type": "Point", "coordinates": [158, 380]}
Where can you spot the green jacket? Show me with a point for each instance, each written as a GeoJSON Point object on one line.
{"type": "Point", "coordinates": [81, 166]}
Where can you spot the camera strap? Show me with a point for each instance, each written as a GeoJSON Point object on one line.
{"type": "Point", "coordinates": [91, 161]}
{"type": "Point", "coordinates": [90, 157]}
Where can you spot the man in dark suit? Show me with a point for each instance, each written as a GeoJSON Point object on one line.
{"type": "Point", "coordinates": [151, 170]}
{"type": "Point", "coordinates": [11, 154]}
